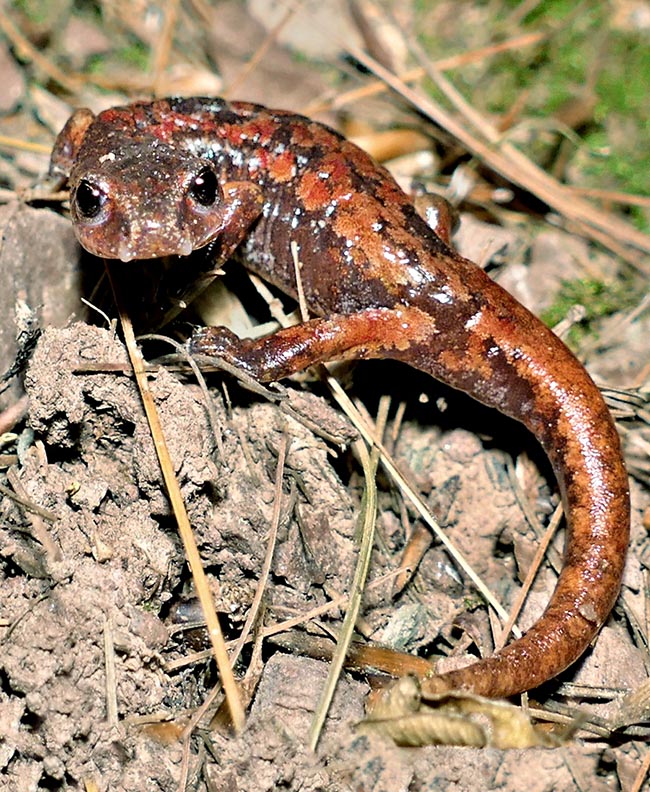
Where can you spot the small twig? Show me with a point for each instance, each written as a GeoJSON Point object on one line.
{"type": "Point", "coordinates": [24, 500]}
{"type": "Point", "coordinates": [412, 75]}
{"type": "Point", "coordinates": [339, 602]}
{"type": "Point", "coordinates": [274, 304]}
{"type": "Point", "coordinates": [518, 604]}
{"type": "Point", "coordinates": [185, 767]}
{"type": "Point", "coordinates": [368, 520]}
{"type": "Point", "coordinates": [611, 196]}
{"type": "Point", "coordinates": [31, 608]}
{"type": "Point", "coordinates": [263, 48]}
{"type": "Point", "coordinates": [110, 323]}
{"type": "Point", "coordinates": [526, 507]}
{"type": "Point", "coordinates": [27, 51]}
{"type": "Point", "coordinates": [184, 527]}
{"type": "Point", "coordinates": [209, 363]}
{"type": "Point", "coordinates": [39, 529]}
{"type": "Point", "coordinates": [181, 350]}
{"type": "Point", "coordinates": [163, 46]}
{"type": "Point", "coordinates": [297, 265]}
{"type": "Point", "coordinates": [28, 145]}
{"type": "Point", "coordinates": [270, 549]}
{"type": "Point", "coordinates": [419, 541]}
{"type": "Point", "coordinates": [109, 667]}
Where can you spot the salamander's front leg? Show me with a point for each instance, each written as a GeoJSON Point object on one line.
{"type": "Point", "coordinates": [372, 333]}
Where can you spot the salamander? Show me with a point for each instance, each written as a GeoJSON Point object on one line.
{"type": "Point", "coordinates": [170, 176]}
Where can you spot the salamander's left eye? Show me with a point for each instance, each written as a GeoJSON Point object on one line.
{"type": "Point", "coordinates": [89, 199]}
{"type": "Point", "coordinates": [204, 187]}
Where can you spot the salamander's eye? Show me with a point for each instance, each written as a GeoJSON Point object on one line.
{"type": "Point", "coordinates": [204, 187]}
{"type": "Point", "coordinates": [89, 199]}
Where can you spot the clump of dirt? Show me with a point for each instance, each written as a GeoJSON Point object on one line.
{"type": "Point", "coordinates": [95, 592]}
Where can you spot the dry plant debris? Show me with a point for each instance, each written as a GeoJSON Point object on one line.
{"type": "Point", "coordinates": [451, 719]}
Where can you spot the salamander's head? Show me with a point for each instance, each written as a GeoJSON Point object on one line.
{"type": "Point", "coordinates": [135, 207]}
{"type": "Point", "coordinates": [132, 195]}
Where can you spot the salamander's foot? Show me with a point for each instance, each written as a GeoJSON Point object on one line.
{"type": "Point", "coordinates": [222, 343]}
{"type": "Point", "coordinates": [439, 214]}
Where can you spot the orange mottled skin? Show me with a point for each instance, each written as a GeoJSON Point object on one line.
{"type": "Point", "coordinates": [384, 286]}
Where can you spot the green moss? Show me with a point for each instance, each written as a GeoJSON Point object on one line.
{"type": "Point", "coordinates": [135, 55]}
{"type": "Point", "coordinates": [598, 298]}
{"type": "Point", "coordinates": [39, 12]}
{"type": "Point", "coordinates": [621, 113]}
{"type": "Point", "coordinates": [580, 49]}
{"type": "Point", "coordinates": [473, 602]}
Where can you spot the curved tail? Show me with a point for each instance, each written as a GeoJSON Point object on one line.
{"type": "Point", "coordinates": [527, 373]}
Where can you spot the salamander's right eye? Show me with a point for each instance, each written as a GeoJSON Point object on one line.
{"type": "Point", "coordinates": [205, 187]}
{"type": "Point", "coordinates": [89, 199]}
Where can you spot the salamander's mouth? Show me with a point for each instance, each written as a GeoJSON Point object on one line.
{"type": "Point", "coordinates": [129, 249]}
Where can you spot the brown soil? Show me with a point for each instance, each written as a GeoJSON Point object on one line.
{"type": "Point", "coordinates": [111, 589]}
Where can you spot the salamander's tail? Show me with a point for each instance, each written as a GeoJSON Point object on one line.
{"type": "Point", "coordinates": [527, 373]}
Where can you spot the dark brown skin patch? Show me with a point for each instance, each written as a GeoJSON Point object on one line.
{"type": "Point", "coordinates": [387, 286]}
